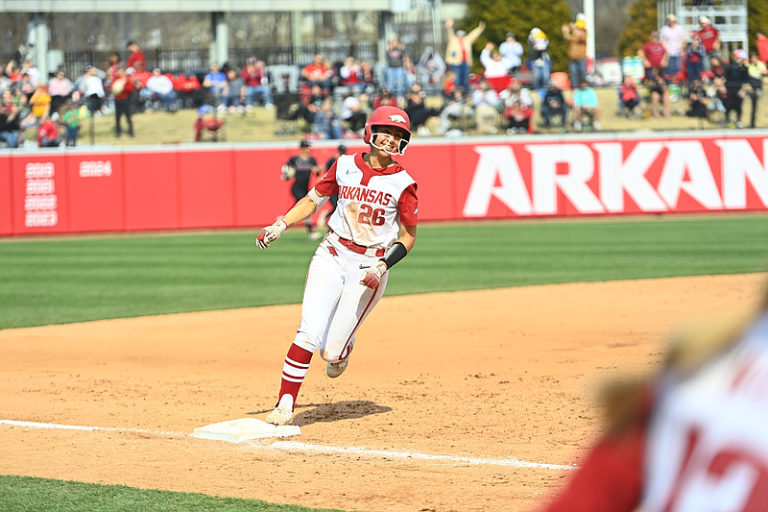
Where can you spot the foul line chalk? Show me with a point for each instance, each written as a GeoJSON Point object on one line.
{"type": "Point", "coordinates": [293, 445]}
{"type": "Point", "coordinates": [31, 424]}
{"type": "Point", "coordinates": [510, 462]}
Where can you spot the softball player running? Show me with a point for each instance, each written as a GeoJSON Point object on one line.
{"type": "Point", "coordinates": [373, 227]}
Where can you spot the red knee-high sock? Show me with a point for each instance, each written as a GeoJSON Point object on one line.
{"type": "Point", "coordinates": [294, 369]}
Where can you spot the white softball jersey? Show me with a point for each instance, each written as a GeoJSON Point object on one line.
{"type": "Point", "coordinates": [707, 447]}
{"type": "Point", "coordinates": [373, 203]}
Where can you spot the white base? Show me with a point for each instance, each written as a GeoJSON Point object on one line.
{"type": "Point", "coordinates": [237, 431]}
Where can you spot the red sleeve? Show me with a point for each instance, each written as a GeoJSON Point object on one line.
{"type": "Point", "coordinates": [610, 480]}
{"type": "Point", "coordinates": [408, 206]}
{"type": "Point", "coordinates": [327, 184]}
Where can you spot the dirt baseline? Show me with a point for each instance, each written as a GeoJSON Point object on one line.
{"type": "Point", "coordinates": [486, 374]}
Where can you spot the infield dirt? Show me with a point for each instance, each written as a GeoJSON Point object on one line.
{"type": "Point", "coordinates": [488, 374]}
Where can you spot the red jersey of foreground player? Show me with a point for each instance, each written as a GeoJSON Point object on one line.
{"type": "Point", "coordinates": [693, 438]}
{"type": "Point", "coordinates": [372, 228]}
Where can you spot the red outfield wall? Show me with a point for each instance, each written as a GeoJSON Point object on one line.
{"type": "Point", "coordinates": [77, 191]}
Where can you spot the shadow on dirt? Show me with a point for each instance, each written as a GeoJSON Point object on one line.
{"type": "Point", "coordinates": [326, 413]}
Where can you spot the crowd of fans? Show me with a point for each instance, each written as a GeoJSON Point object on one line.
{"type": "Point", "coordinates": [440, 94]}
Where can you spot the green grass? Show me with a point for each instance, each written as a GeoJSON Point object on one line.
{"type": "Point", "coordinates": [21, 494]}
{"type": "Point", "coordinates": [63, 280]}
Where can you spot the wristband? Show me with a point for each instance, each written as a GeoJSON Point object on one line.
{"type": "Point", "coordinates": [394, 254]}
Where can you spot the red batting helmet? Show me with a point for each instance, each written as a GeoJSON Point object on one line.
{"type": "Point", "coordinates": [389, 116]}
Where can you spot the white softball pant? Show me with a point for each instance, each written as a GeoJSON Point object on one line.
{"type": "Point", "coordinates": [335, 304]}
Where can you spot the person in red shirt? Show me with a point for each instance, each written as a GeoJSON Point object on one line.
{"type": "Point", "coordinates": [710, 38]}
{"type": "Point", "coordinates": [48, 134]}
{"type": "Point", "coordinates": [762, 47]}
{"type": "Point", "coordinates": [317, 74]}
{"type": "Point", "coordinates": [122, 87]}
{"type": "Point", "coordinates": [137, 55]}
{"type": "Point", "coordinates": [256, 83]}
{"type": "Point", "coordinates": [654, 54]}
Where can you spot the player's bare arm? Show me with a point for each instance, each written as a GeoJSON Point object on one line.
{"type": "Point", "coordinates": [305, 207]}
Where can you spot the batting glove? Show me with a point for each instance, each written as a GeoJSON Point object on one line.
{"type": "Point", "coordinates": [372, 276]}
{"type": "Point", "coordinates": [270, 233]}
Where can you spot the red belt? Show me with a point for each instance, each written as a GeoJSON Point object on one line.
{"type": "Point", "coordinates": [359, 249]}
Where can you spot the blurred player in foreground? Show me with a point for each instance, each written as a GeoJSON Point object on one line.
{"type": "Point", "coordinates": [372, 228]}
{"type": "Point", "coordinates": [692, 439]}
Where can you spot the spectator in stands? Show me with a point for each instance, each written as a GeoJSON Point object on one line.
{"type": "Point", "coordinates": [518, 116]}
{"type": "Point", "coordinates": [60, 90]}
{"type": "Point", "coordinates": [430, 70]}
{"type": "Point", "coordinates": [48, 133]}
{"type": "Point", "coordinates": [659, 89]}
{"type": "Point", "coordinates": [316, 74]}
{"type": "Point", "coordinates": [410, 71]}
{"type": "Point", "coordinates": [697, 100]}
{"type": "Point", "coordinates": [139, 74]}
{"type": "Point", "coordinates": [351, 76]}
{"type": "Point", "coordinates": [418, 112]}
{"type": "Point", "coordinates": [736, 82]}
{"type": "Point", "coordinates": [71, 121]}
{"type": "Point", "coordinates": [325, 123]}
{"type": "Point", "coordinates": [114, 60]}
{"type": "Point", "coordinates": [553, 104]}
{"type": "Point", "coordinates": [630, 97]}
{"type": "Point", "coordinates": [162, 87]}
{"type": "Point", "coordinates": [757, 72]}
{"type": "Point", "coordinates": [762, 47]}
{"type": "Point", "coordinates": [352, 112]}
{"type": "Point", "coordinates": [186, 85]}
{"type": "Point", "coordinates": [448, 84]}
{"type": "Point", "coordinates": [539, 60]}
{"type": "Point", "coordinates": [9, 120]}
{"type": "Point", "coordinates": [92, 89]}
{"type": "Point", "coordinates": [585, 103]}
{"type": "Point", "coordinates": [516, 91]}
{"type": "Point", "coordinates": [215, 81]}
{"type": "Point", "coordinates": [496, 71]}
{"type": "Point", "coordinates": [710, 39]}
{"type": "Point", "coordinates": [384, 99]}
{"type": "Point", "coordinates": [653, 54]}
{"type": "Point", "coordinates": [34, 74]}
{"type": "Point", "coordinates": [24, 85]}
{"type": "Point", "coordinates": [672, 36]}
{"type": "Point", "coordinates": [5, 81]}
{"type": "Point", "coordinates": [694, 59]}
{"type": "Point", "coordinates": [455, 108]}
{"type": "Point", "coordinates": [716, 70]}
{"type": "Point", "coordinates": [256, 83]}
{"type": "Point", "coordinates": [368, 77]}
{"type": "Point", "coordinates": [122, 87]}
{"type": "Point", "coordinates": [486, 102]}
{"type": "Point", "coordinates": [332, 72]}
{"type": "Point", "coordinates": [136, 56]}
{"type": "Point", "coordinates": [394, 74]}
{"type": "Point", "coordinates": [234, 93]}
{"type": "Point", "coordinates": [41, 103]}
{"type": "Point", "coordinates": [458, 52]}
{"type": "Point", "coordinates": [576, 35]}
{"type": "Point", "coordinates": [512, 52]}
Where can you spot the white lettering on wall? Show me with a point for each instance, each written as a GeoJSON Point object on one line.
{"type": "Point", "coordinates": [95, 169]}
{"type": "Point", "coordinates": [497, 161]}
{"type": "Point", "coordinates": [739, 164]}
{"type": "Point", "coordinates": [40, 203]}
{"type": "Point", "coordinates": [619, 175]}
{"type": "Point", "coordinates": [688, 156]}
{"type": "Point", "coordinates": [546, 181]}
